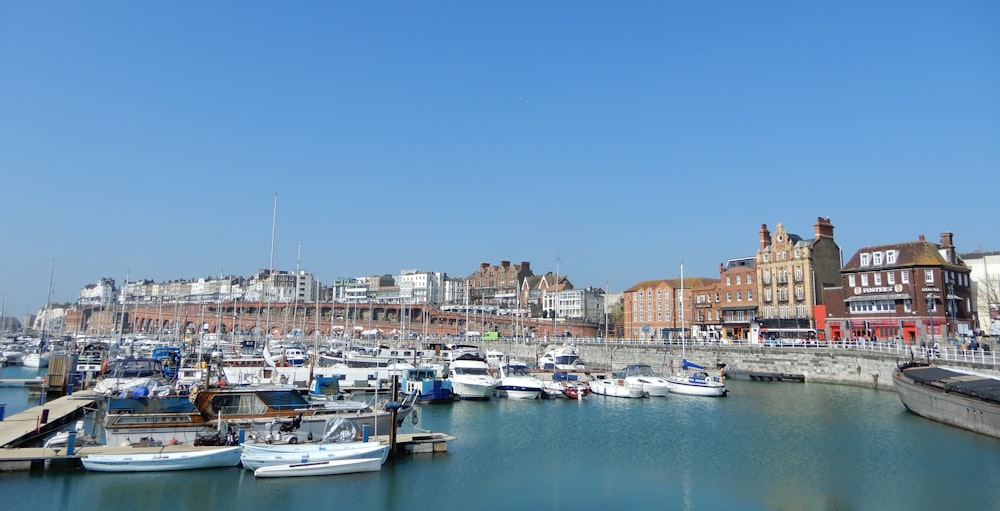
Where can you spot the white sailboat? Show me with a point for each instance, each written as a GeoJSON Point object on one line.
{"type": "Point", "coordinates": [39, 357]}
{"type": "Point", "coordinates": [699, 382]}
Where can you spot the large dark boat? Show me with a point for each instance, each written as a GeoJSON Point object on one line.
{"type": "Point", "coordinates": [965, 400]}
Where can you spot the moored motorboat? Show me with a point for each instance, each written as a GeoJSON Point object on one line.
{"type": "Point", "coordinates": [165, 460]}
{"type": "Point", "coordinates": [643, 375]}
{"type": "Point", "coordinates": [516, 382]}
{"type": "Point", "coordinates": [470, 377]}
{"type": "Point", "coordinates": [429, 388]}
{"type": "Point", "coordinates": [615, 387]}
{"type": "Point", "coordinates": [961, 399]}
{"type": "Point", "coordinates": [320, 468]}
{"type": "Point", "coordinates": [563, 358]}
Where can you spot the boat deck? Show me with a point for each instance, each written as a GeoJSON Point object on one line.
{"type": "Point", "coordinates": [982, 387]}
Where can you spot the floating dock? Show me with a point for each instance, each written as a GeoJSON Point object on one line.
{"type": "Point", "coordinates": [738, 374]}
{"type": "Point", "coordinates": [27, 428]}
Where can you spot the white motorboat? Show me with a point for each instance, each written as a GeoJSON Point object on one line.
{"type": "Point", "coordinates": [698, 383]}
{"type": "Point", "coordinates": [320, 468]}
{"type": "Point", "coordinates": [615, 387]}
{"type": "Point", "coordinates": [164, 460]}
{"type": "Point", "coordinates": [517, 383]}
{"type": "Point", "coordinates": [643, 375]}
{"type": "Point", "coordinates": [563, 358]}
{"type": "Point", "coordinates": [470, 378]}
{"type": "Point", "coordinates": [258, 455]}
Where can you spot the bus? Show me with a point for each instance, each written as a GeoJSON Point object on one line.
{"type": "Point", "coordinates": [788, 336]}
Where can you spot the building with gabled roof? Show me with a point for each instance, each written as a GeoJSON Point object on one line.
{"type": "Point", "coordinates": [657, 309]}
{"type": "Point", "coordinates": [791, 274]}
{"type": "Point", "coordinates": [911, 291]}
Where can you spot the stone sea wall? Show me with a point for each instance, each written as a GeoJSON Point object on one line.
{"type": "Point", "coordinates": [859, 367]}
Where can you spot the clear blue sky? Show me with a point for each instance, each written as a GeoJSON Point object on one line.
{"type": "Point", "coordinates": [149, 139]}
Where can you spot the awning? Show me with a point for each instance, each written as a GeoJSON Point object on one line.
{"type": "Point", "coordinates": [868, 298]}
{"type": "Point", "coordinates": [739, 308]}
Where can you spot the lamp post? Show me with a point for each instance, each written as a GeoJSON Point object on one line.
{"type": "Point", "coordinates": [930, 312]}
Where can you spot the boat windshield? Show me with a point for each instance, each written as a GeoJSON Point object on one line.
{"type": "Point", "coordinates": [516, 370]}
{"type": "Point", "coordinates": [477, 371]}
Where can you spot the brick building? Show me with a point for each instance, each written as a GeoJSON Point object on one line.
{"type": "Point", "coordinates": [913, 291]}
{"type": "Point", "coordinates": [792, 273]}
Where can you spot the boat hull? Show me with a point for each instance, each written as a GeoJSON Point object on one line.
{"type": "Point", "coordinates": [689, 388]}
{"type": "Point", "coordinates": [163, 461]}
{"type": "Point", "coordinates": [616, 388]}
{"type": "Point", "coordinates": [253, 459]}
{"type": "Point", "coordinates": [934, 401]}
{"type": "Point", "coordinates": [322, 468]}
{"type": "Point", "coordinates": [472, 390]}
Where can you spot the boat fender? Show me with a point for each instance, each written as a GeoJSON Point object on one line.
{"type": "Point", "coordinates": [414, 418]}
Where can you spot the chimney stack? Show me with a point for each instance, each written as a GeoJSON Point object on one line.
{"type": "Point", "coordinates": [765, 236]}
{"type": "Point", "coordinates": [947, 247]}
{"type": "Point", "coordinates": [824, 228]}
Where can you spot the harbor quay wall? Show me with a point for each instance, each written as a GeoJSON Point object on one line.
{"type": "Point", "coordinates": [870, 368]}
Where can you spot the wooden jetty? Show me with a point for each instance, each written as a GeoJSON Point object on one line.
{"type": "Point", "coordinates": [32, 425]}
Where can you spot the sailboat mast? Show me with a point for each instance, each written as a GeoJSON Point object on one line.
{"type": "Point", "coordinates": [681, 311]}
{"type": "Point", "coordinates": [269, 289]}
{"type": "Point", "coordinates": [48, 302]}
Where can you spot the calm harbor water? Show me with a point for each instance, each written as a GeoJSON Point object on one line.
{"type": "Point", "coordinates": [769, 446]}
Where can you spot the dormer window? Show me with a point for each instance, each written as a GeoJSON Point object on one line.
{"type": "Point", "coordinates": [865, 259]}
{"type": "Point", "coordinates": [877, 258]}
{"type": "Point", "coordinates": [890, 256]}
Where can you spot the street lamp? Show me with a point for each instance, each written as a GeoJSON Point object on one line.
{"type": "Point", "coordinates": [930, 312]}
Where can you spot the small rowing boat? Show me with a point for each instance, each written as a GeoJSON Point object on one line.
{"type": "Point", "coordinates": [320, 468]}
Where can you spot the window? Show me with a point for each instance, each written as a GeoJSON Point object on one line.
{"type": "Point", "coordinates": [765, 256]}
{"type": "Point", "coordinates": [890, 256]}
{"type": "Point", "coordinates": [749, 296]}
{"type": "Point", "coordinates": [729, 297]}
{"type": "Point", "coordinates": [865, 258]}
{"type": "Point", "coordinates": [728, 282]}
{"type": "Point", "coordinates": [890, 277]}
{"type": "Point", "coordinates": [739, 296]}
{"type": "Point", "coordinates": [877, 258]}
{"type": "Point", "coordinates": [851, 280]}
{"type": "Point", "coordinates": [904, 277]}
{"type": "Point", "coordinates": [929, 276]}
{"type": "Point", "coordinates": [877, 277]}
{"type": "Point", "coordinates": [864, 280]}
{"type": "Point", "coordinates": [737, 280]}
{"type": "Point", "coordinates": [796, 254]}
{"type": "Point", "coordinates": [749, 279]}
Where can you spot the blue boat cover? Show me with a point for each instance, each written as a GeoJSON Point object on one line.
{"type": "Point", "coordinates": [691, 365]}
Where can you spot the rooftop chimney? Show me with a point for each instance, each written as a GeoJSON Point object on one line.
{"type": "Point", "coordinates": [947, 248]}
{"type": "Point", "coordinates": [765, 236]}
{"type": "Point", "coordinates": [824, 228]}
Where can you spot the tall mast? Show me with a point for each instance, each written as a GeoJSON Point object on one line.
{"type": "Point", "coordinates": [681, 311]}
{"type": "Point", "coordinates": [270, 272]}
{"type": "Point", "coordinates": [48, 302]}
